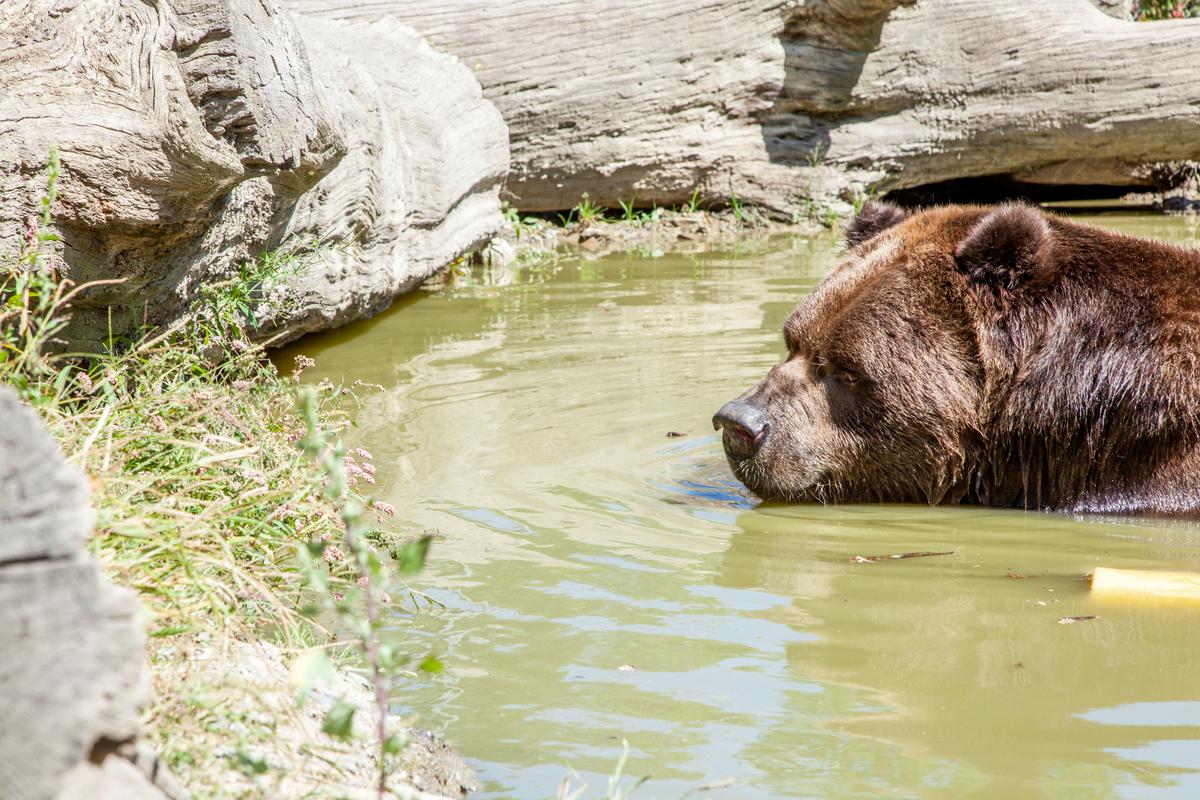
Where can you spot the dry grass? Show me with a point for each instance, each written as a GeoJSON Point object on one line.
{"type": "Point", "coordinates": [205, 502]}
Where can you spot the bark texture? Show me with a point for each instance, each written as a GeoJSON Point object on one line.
{"type": "Point", "coordinates": [191, 133]}
{"type": "Point", "coordinates": [780, 101]}
{"type": "Point", "coordinates": [73, 680]}
{"type": "Point", "coordinates": [419, 184]}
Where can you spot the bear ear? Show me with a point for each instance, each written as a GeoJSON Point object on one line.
{"type": "Point", "coordinates": [875, 217]}
{"type": "Point", "coordinates": [1008, 248]}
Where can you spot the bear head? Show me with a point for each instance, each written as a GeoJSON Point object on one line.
{"type": "Point", "coordinates": [969, 354]}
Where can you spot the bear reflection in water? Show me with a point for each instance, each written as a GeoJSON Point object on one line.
{"type": "Point", "coordinates": [996, 356]}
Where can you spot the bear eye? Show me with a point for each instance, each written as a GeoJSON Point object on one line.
{"type": "Point", "coordinates": [828, 369]}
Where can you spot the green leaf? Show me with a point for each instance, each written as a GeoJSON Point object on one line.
{"type": "Point", "coordinates": [339, 721]}
{"type": "Point", "coordinates": [387, 657]}
{"type": "Point", "coordinates": [432, 665]}
{"type": "Point", "coordinates": [411, 557]}
{"type": "Point", "coordinates": [396, 743]}
{"type": "Point", "coordinates": [249, 764]}
{"type": "Point", "coordinates": [373, 564]}
{"type": "Point", "coordinates": [170, 631]}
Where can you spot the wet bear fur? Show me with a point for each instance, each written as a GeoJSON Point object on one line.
{"type": "Point", "coordinates": [998, 356]}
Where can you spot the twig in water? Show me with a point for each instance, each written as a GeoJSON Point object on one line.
{"type": "Point", "coordinates": [871, 559]}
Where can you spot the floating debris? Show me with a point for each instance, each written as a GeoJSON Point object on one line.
{"type": "Point", "coordinates": [893, 556]}
{"type": "Point", "coordinates": [675, 434]}
{"type": "Point", "coordinates": [627, 668]}
{"type": "Point", "coordinates": [1017, 575]}
{"type": "Point", "coordinates": [1073, 620]}
{"type": "Point", "coordinates": [1146, 583]}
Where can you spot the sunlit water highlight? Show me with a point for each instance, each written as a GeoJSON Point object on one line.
{"type": "Point", "coordinates": [524, 417]}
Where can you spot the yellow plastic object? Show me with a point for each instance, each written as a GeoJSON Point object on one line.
{"type": "Point", "coordinates": [1146, 583]}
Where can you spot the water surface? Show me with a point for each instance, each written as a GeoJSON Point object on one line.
{"type": "Point", "coordinates": [524, 417]}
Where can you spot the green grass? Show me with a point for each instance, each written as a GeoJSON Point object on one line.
{"type": "Point", "coordinates": [587, 211]}
{"type": "Point", "coordinates": [206, 502]}
{"type": "Point", "coordinates": [1150, 10]}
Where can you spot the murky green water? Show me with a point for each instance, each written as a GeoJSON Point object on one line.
{"type": "Point", "coordinates": [524, 417]}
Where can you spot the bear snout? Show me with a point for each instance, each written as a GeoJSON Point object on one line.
{"type": "Point", "coordinates": [744, 429]}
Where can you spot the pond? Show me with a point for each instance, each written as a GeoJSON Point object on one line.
{"type": "Point", "coordinates": [605, 581]}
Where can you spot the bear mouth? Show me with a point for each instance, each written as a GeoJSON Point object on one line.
{"type": "Point", "coordinates": [756, 474]}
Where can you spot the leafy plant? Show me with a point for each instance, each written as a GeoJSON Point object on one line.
{"type": "Point", "coordinates": [628, 210]}
{"type": "Point", "coordinates": [586, 211]}
{"type": "Point", "coordinates": [513, 217]}
{"type": "Point", "coordinates": [384, 660]}
{"type": "Point", "coordinates": [739, 210]}
{"type": "Point", "coordinates": [1149, 10]}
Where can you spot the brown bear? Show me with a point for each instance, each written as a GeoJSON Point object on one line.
{"type": "Point", "coordinates": [997, 356]}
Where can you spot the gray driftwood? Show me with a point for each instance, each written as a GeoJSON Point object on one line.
{"type": "Point", "coordinates": [783, 102]}
{"type": "Point", "coordinates": [72, 680]}
{"type": "Point", "coordinates": [192, 132]}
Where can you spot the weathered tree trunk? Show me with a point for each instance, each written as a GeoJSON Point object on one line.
{"type": "Point", "coordinates": [419, 184]}
{"type": "Point", "coordinates": [191, 133]}
{"type": "Point", "coordinates": [71, 680]}
{"type": "Point", "coordinates": [785, 102]}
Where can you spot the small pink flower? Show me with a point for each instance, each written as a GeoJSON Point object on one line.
{"type": "Point", "coordinates": [302, 363]}
{"type": "Point", "coordinates": [31, 232]}
{"type": "Point", "coordinates": [385, 508]}
{"type": "Point", "coordinates": [337, 598]}
{"type": "Point", "coordinates": [368, 478]}
{"type": "Point", "coordinates": [363, 454]}
{"type": "Point", "coordinates": [333, 554]}
{"type": "Point", "coordinates": [368, 468]}
{"type": "Point", "coordinates": [362, 581]}
{"type": "Point", "coordinates": [385, 597]}
{"type": "Point", "coordinates": [158, 424]}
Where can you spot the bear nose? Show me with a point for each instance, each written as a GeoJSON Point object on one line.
{"type": "Point", "coordinates": [745, 428]}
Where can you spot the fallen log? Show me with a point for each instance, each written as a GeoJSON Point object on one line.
{"type": "Point", "coordinates": [195, 135]}
{"type": "Point", "coordinates": [795, 105]}
{"type": "Point", "coordinates": [72, 682]}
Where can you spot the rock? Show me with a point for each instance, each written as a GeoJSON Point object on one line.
{"type": "Point", "coordinates": [193, 132]}
{"type": "Point", "coordinates": [779, 102]}
{"type": "Point", "coordinates": [73, 682]}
